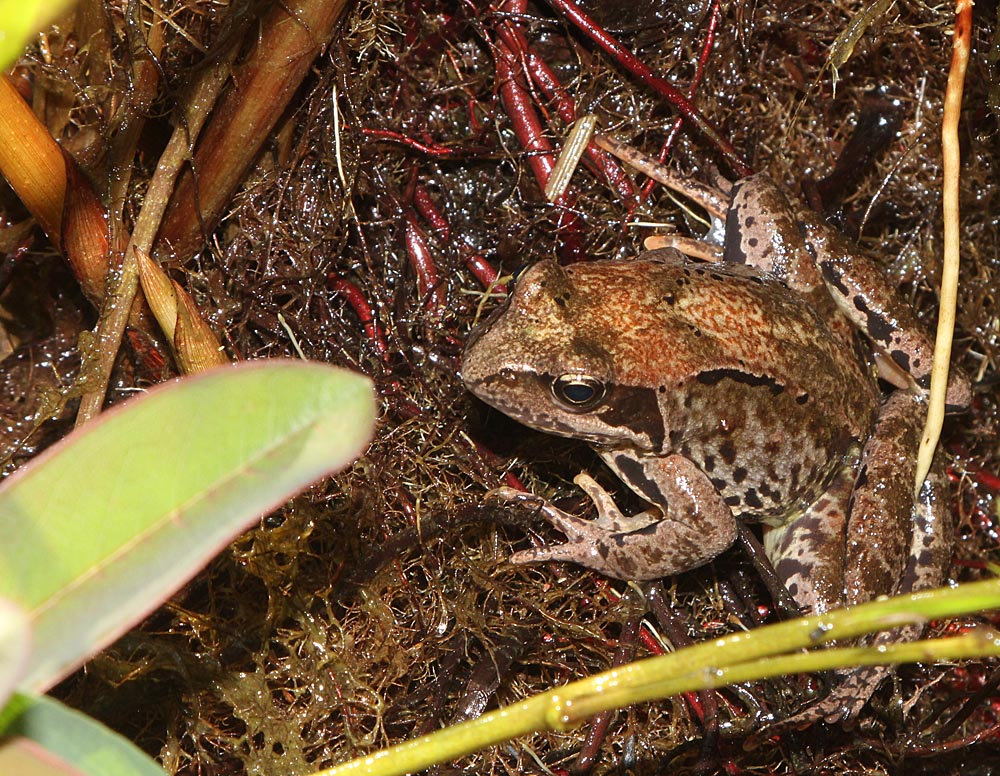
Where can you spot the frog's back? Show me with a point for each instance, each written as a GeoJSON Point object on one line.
{"type": "Point", "coordinates": [723, 365]}
{"type": "Point", "coordinates": [754, 384]}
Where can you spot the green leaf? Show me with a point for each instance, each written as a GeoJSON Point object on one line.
{"type": "Point", "coordinates": [43, 737]}
{"type": "Point", "coordinates": [108, 523]}
{"type": "Point", "coordinates": [15, 637]}
{"type": "Point", "coordinates": [19, 20]}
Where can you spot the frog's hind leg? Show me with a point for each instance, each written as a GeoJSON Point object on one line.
{"type": "Point", "coordinates": [808, 552]}
{"type": "Point", "coordinates": [893, 545]}
{"type": "Point", "coordinates": [858, 286]}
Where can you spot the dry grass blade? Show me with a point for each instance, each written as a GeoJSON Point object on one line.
{"type": "Point", "coordinates": [949, 273]}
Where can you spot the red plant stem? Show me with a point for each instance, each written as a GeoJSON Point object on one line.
{"type": "Point", "coordinates": [422, 261]}
{"type": "Point", "coordinates": [431, 149]}
{"type": "Point", "coordinates": [523, 116]}
{"type": "Point", "coordinates": [650, 642]}
{"type": "Point", "coordinates": [654, 646]}
{"type": "Point", "coordinates": [640, 70]}
{"type": "Point", "coordinates": [553, 89]}
{"type": "Point", "coordinates": [428, 208]}
{"type": "Point", "coordinates": [476, 262]}
{"type": "Point", "coordinates": [514, 481]}
{"type": "Point", "coordinates": [353, 296]}
{"type": "Point", "coordinates": [484, 272]}
{"type": "Point", "coordinates": [529, 131]}
{"type": "Point", "coordinates": [713, 23]}
{"type": "Point", "coordinates": [474, 123]}
{"type": "Point", "coordinates": [983, 477]}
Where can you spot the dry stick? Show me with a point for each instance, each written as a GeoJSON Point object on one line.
{"type": "Point", "coordinates": [125, 283]}
{"type": "Point", "coordinates": [628, 60]}
{"type": "Point", "coordinates": [145, 84]}
{"type": "Point", "coordinates": [124, 286]}
{"type": "Point", "coordinates": [178, 150]}
{"type": "Point", "coordinates": [949, 271]}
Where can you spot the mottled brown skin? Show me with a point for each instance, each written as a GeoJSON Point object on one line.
{"type": "Point", "coordinates": [720, 392]}
{"type": "Point", "coordinates": [758, 392]}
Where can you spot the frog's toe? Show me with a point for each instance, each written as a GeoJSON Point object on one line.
{"type": "Point", "coordinates": [846, 700]}
{"type": "Point", "coordinates": [842, 705]}
{"type": "Point", "coordinates": [600, 554]}
{"type": "Point", "coordinates": [570, 552]}
{"type": "Point", "coordinates": [507, 494]}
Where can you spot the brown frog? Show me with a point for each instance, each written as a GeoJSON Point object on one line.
{"type": "Point", "coordinates": [738, 390]}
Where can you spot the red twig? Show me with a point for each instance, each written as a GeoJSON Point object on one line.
{"type": "Point", "coordinates": [484, 272]}
{"type": "Point", "coordinates": [428, 208]}
{"type": "Point", "coordinates": [553, 90]}
{"type": "Point", "coordinates": [530, 133]}
{"type": "Point", "coordinates": [715, 14]}
{"type": "Point", "coordinates": [422, 261]}
{"type": "Point", "coordinates": [353, 296]}
{"type": "Point", "coordinates": [524, 118]}
{"type": "Point", "coordinates": [982, 476]}
{"type": "Point", "coordinates": [431, 149]}
{"type": "Point", "coordinates": [640, 70]}
{"type": "Point", "coordinates": [476, 262]}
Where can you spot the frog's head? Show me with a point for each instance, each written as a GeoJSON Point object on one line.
{"type": "Point", "coordinates": [543, 359]}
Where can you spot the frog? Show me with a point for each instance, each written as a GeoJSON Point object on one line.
{"type": "Point", "coordinates": [744, 388]}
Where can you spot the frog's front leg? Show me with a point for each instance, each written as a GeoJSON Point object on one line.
{"type": "Point", "coordinates": [689, 525]}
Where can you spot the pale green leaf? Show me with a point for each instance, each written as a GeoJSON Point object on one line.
{"type": "Point", "coordinates": [15, 638]}
{"type": "Point", "coordinates": [103, 527]}
{"type": "Point", "coordinates": [45, 738]}
{"type": "Point", "coordinates": [19, 20]}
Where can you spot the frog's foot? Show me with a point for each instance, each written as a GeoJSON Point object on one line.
{"type": "Point", "coordinates": [585, 536]}
{"type": "Point", "coordinates": [609, 518]}
{"type": "Point", "coordinates": [689, 246]}
{"type": "Point", "coordinates": [697, 526]}
{"type": "Point", "coordinates": [847, 698]}
{"type": "Point", "coordinates": [853, 687]}
{"type": "Point", "coordinates": [843, 704]}
{"type": "Point", "coordinates": [715, 199]}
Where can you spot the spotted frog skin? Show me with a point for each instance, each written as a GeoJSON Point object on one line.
{"type": "Point", "coordinates": [718, 392]}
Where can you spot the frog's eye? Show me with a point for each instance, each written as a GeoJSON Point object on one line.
{"type": "Point", "coordinates": [578, 392]}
